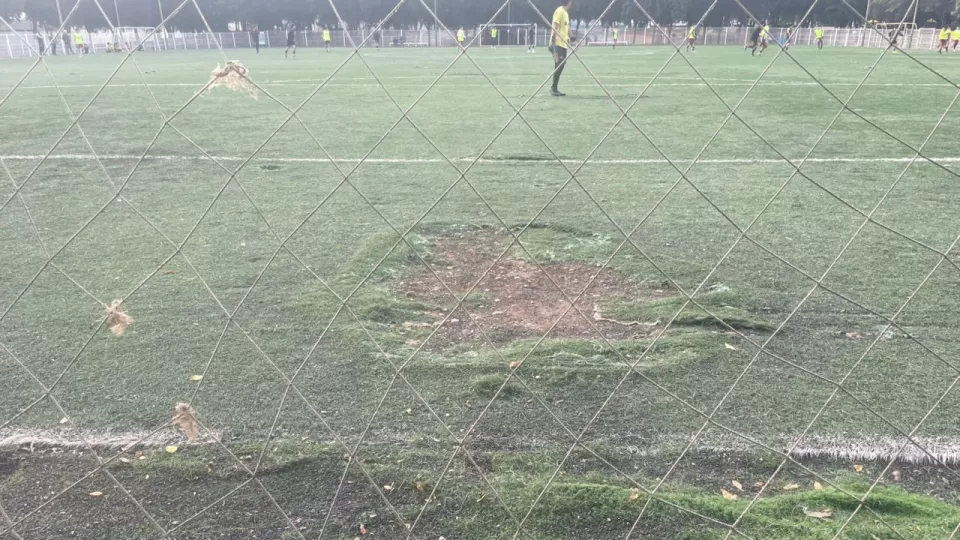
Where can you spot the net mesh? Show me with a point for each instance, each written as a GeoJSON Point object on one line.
{"type": "Point", "coordinates": [184, 421]}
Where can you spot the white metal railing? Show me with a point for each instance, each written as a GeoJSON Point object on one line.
{"type": "Point", "coordinates": [13, 46]}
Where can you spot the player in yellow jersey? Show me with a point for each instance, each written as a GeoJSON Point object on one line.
{"type": "Point", "coordinates": [461, 36]}
{"type": "Point", "coordinates": [78, 40]}
{"type": "Point", "coordinates": [764, 36]}
{"type": "Point", "coordinates": [493, 37]}
{"type": "Point", "coordinates": [616, 36]}
{"type": "Point", "coordinates": [818, 32]}
{"type": "Point", "coordinates": [559, 43]}
{"type": "Point", "coordinates": [955, 36]}
{"type": "Point", "coordinates": [944, 39]}
{"type": "Point", "coordinates": [786, 41]}
{"type": "Point", "coordinates": [692, 39]}
{"type": "Point", "coordinates": [326, 38]}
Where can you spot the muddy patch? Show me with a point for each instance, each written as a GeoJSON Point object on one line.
{"type": "Point", "coordinates": [516, 299]}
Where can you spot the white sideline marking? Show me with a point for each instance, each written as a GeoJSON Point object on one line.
{"type": "Point", "coordinates": [414, 161]}
{"type": "Point", "coordinates": [855, 449]}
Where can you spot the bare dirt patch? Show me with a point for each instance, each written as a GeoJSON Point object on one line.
{"type": "Point", "coordinates": [515, 299]}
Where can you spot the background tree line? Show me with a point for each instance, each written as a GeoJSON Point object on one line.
{"type": "Point", "coordinates": [271, 13]}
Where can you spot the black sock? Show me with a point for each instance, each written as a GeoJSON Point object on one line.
{"type": "Point", "coordinates": [557, 73]}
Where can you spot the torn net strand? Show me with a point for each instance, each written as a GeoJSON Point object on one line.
{"type": "Point", "coordinates": [650, 260]}
{"type": "Point", "coordinates": [870, 348]}
{"type": "Point", "coordinates": [84, 440]}
{"type": "Point", "coordinates": [83, 348]}
{"type": "Point", "coordinates": [598, 81]}
{"type": "Point", "coordinates": [85, 108]}
{"type": "Point", "coordinates": [763, 350]}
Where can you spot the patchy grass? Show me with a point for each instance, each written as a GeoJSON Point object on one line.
{"type": "Point", "coordinates": [227, 268]}
{"type": "Point", "coordinates": [589, 501]}
{"type": "Point", "coordinates": [723, 305]}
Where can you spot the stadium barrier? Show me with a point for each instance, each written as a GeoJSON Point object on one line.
{"type": "Point", "coordinates": [11, 46]}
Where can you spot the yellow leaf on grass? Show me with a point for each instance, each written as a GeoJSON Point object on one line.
{"type": "Point", "coordinates": [514, 364]}
{"type": "Point", "coordinates": [737, 485]}
{"type": "Point", "coordinates": [727, 495]}
{"type": "Point", "coordinates": [729, 346]}
{"type": "Point", "coordinates": [171, 449]}
{"type": "Point", "coordinates": [817, 486]}
{"type": "Point", "coordinates": [858, 468]}
{"type": "Point", "coordinates": [634, 494]}
{"type": "Point", "coordinates": [791, 487]}
{"type": "Point", "coordinates": [420, 487]}
{"type": "Point", "coordinates": [819, 514]}
{"type": "Point", "coordinates": [196, 378]}
{"type": "Point", "coordinates": [96, 494]}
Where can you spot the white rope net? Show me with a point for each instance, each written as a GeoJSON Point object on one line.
{"type": "Point", "coordinates": [400, 410]}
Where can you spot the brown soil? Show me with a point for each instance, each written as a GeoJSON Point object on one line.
{"type": "Point", "coordinates": [515, 299]}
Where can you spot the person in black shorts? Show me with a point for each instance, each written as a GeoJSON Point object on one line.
{"type": "Point", "coordinates": [255, 37]}
{"type": "Point", "coordinates": [291, 41]}
{"type": "Point", "coordinates": [754, 40]}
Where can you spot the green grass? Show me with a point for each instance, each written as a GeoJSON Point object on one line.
{"type": "Point", "coordinates": [132, 383]}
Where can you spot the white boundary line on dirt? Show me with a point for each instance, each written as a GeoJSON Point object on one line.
{"type": "Point", "coordinates": [512, 161]}
{"type": "Point", "coordinates": [854, 449]}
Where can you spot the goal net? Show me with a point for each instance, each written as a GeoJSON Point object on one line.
{"type": "Point", "coordinates": [903, 33]}
{"type": "Point", "coordinates": [125, 38]}
{"type": "Point", "coordinates": [495, 35]}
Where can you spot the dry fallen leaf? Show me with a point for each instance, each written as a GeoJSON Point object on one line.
{"type": "Point", "coordinates": [791, 487]}
{"type": "Point", "coordinates": [819, 514]}
{"type": "Point", "coordinates": [117, 320]}
{"type": "Point", "coordinates": [896, 476]}
{"type": "Point", "coordinates": [729, 346]}
{"type": "Point", "coordinates": [727, 495]}
{"type": "Point", "coordinates": [817, 486]}
{"type": "Point", "coordinates": [388, 488]}
{"type": "Point", "coordinates": [634, 494]}
{"type": "Point", "coordinates": [858, 468]}
{"type": "Point", "coordinates": [759, 485]}
{"type": "Point", "coordinates": [514, 364]}
{"type": "Point", "coordinates": [363, 530]}
{"type": "Point", "coordinates": [420, 487]}
{"type": "Point", "coordinates": [737, 485]}
{"type": "Point", "coordinates": [96, 494]}
{"type": "Point", "coordinates": [168, 272]}
{"type": "Point", "coordinates": [171, 449]}
{"type": "Point", "coordinates": [64, 420]}
{"type": "Point", "coordinates": [185, 418]}
{"type": "Point", "coordinates": [196, 378]}
{"type": "Point", "coordinates": [853, 335]}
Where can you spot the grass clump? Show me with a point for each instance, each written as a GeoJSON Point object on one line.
{"type": "Point", "coordinates": [724, 305]}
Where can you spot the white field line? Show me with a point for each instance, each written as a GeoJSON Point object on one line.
{"type": "Point", "coordinates": [369, 82]}
{"type": "Point", "coordinates": [855, 449]}
{"type": "Point", "coordinates": [416, 161]}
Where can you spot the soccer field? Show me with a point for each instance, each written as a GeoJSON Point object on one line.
{"type": "Point", "coordinates": [317, 283]}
